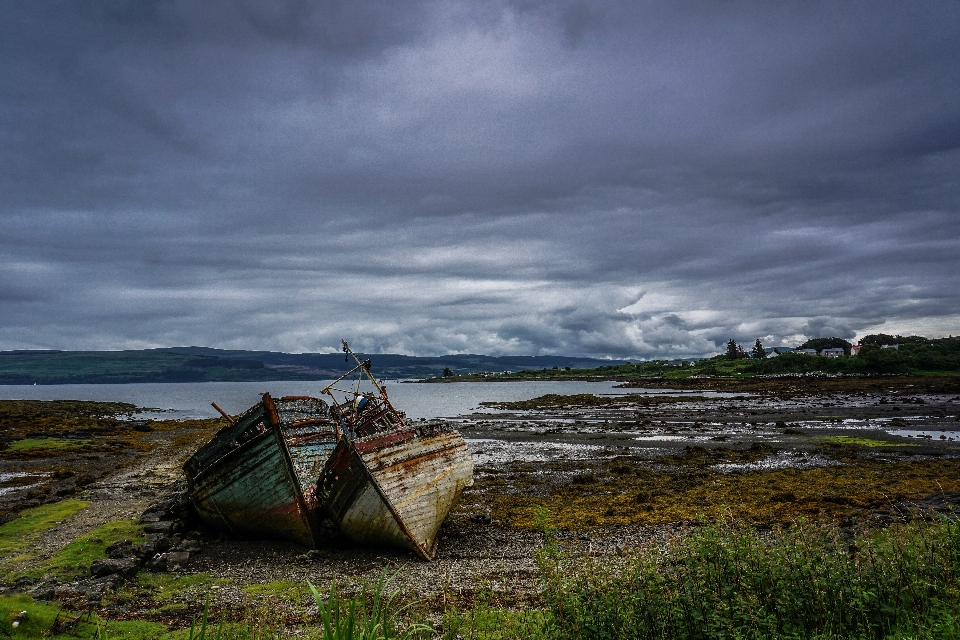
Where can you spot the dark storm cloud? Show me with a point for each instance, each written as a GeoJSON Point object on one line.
{"type": "Point", "coordinates": [623, 179]}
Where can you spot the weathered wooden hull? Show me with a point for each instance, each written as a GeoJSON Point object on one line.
{"type": "Point", "coordinates": [395, 489]}
{"type": "Point", "coordinates": [257, 477]}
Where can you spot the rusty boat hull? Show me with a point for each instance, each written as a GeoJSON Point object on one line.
{"type": "Point", "coordinates": [257, 477]}
{"type": "Point", "coordinates": [396, 488]}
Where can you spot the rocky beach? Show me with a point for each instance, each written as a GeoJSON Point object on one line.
{"type": "Point", "coordinates": [91, 492]}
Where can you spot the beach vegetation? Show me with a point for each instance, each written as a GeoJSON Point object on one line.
{"type": "Point", "coordinates": [24, 530]}
{"type": "Point", "coordinates": [46, 446]}
{"type": "Point", "coordinates": [76, 556]}
{"type": "Point", "coordinates": [731, 581]}
{"type": "Point", "coordinates": [715, 581]}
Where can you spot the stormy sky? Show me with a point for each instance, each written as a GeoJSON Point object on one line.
{"type": "Point", "coordinates": [626, 179]}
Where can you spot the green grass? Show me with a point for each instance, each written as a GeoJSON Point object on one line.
{"type": "Point", "coordinates": [722, 581]}
{"type": "Point", "coordinates": [291, 590]}
{"type": "Point", "coordinates": [354, 619]}
{"type": "Point", "coordinates": [164, 586]}
{"type": "Point", "coordinates": [19, 534]}
{"type": "Point", "coordinates": [77, 556]}
{"type": "Point", "coordinates": [486, 622]}
{"type": "Point", "coordinates": [51, 444]}
{"type": "Point", "coordinates": [731, 582]}
{"type": "Point", "coordinates": [42, 616]}
{"type": "Point", "coordinates": [861, 442]}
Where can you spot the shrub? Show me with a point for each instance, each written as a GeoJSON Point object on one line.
{"type": "Point", "coordinates": [728, 581]}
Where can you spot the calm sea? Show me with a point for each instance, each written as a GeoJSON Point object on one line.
{"type": "Point", "coordinates": [192, 400]}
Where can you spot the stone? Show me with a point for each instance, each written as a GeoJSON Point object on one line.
{"type": "Point", "coordinates": [121, 550]}
{"type": "Point", "coordinates": [161, 543]}
{"type": "Point", "coordinates": [161, 526]}
{"type": "Point", "coordinates": [119, 543]}
{"type": "Point", "coordinates": [21, 583]}
{"type": "Point", "coordinates": [43, 592]}
{"type": "Point", "coordinates": [192, 546]}
{"type": "Point", "coordinates": [19, 619]}
{"type": "Point", "coordinates": [126, 567]}
{"type": "Point", "coordinates": [176, 559]}
{"type": "Point", "coordinates": [157, 563]}
{"type": "Point", "coordinates": [313, 555]}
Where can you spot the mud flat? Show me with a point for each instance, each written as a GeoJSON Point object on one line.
{"type": "Point", "coordinates": [613, 473]}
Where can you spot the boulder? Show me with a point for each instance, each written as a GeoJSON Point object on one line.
{"type": "Point", "coordinates": [161, 526]}
{"type": "Point", "coordinates": [176, 559]}
{"type": "Point", "coordinates": [126, 567]}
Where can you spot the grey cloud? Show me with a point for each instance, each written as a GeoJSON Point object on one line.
{"type": "Point", "coordinates": [621, 179]}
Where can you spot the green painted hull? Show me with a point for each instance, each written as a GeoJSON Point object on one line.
{"type": "Point", "coordinates": [257, 477]}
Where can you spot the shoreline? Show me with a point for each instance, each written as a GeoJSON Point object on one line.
{"type": "Point", "coordinates": [614, 473]}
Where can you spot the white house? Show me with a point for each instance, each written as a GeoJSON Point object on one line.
{"type": "Point", "coordinates": [809, 352]}
{"type": "Point", "coordinates": [773, 352]}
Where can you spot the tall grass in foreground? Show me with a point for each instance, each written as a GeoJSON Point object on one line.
{"type": "Point", "coordinates": [728, 581]}
{"type": "Point", "coordinates": [351, 619]}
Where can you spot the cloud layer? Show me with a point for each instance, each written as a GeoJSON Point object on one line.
{"type": "Point", "coordinates": [584, 178]}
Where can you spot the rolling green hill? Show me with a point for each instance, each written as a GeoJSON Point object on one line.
{"type": "Point", "coordinates": [202, 364]}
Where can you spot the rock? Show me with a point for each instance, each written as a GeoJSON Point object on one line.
{"type": "Point", "coordinates": [66, 490]}
{"type": "Point", "coordinates": [119, 543]}
{"type": "Point", "coordinates": [160, 543]}
{"type": "Point", "coordinates": [176, 559]}
{"type": "Point", "coordinates": [313, 555]}
{"type": "Point", "coordinates": [19, 619]}
{"type": "Point", "coordinates": [191, 546]}
{"type": "Point", "coordinates": [22, 583]}
{"type": "Point", "coordinates": [122, 549]}
{"type": "Point", "coordinates": [126, 567]}
{"type": "Point", "coordinates": [94, 589]}
{"type": "Point", "coordinates": [157, 563]}
{"type": "Point", "coordinates": [161, 526]}
{"type": "Point", "coordinates": [42, 592]}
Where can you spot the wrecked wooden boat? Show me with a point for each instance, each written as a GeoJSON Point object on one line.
{"type": "Point", "coordinates": [386, 483]}
{"type": "Point", "coordinates": [257, 477]}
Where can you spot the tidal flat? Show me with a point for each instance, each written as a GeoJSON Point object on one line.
{"type": "Point", "coordinates": [608, 475]}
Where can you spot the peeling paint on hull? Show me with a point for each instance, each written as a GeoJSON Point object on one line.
{"type": "Point", "coordinates": [256, 478]}
{"type": "Point", "coordinates": [395, 489]}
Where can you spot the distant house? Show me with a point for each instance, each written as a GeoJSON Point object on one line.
{"type": "Point", "coordinates": [809, 352]}
{"type": "Point", "coordinates": [835, 352]}
{"type": "Point", "coordinates": [890, 346]}
{"type": "Point", "coordinates": [773, 352]}
{"type": "Point", "coordinates": [854, 350]}
{"type": "Point", "coordinates": [676, 363]}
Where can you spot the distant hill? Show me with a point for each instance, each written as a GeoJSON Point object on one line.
{"type": "Point", "coordinates": [203, 364]}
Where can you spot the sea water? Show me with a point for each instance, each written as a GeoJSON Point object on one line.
{"type": "Point", "coordinates": [179, 400]}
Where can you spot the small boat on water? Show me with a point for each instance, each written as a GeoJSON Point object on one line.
{"type": "Point", "coordinates": [257, 477]}
{"type": "Point", "coordinates": [387, 483]}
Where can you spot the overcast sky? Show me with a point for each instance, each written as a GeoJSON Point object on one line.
{"type": "Point", "coordinates": [632, 179]}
